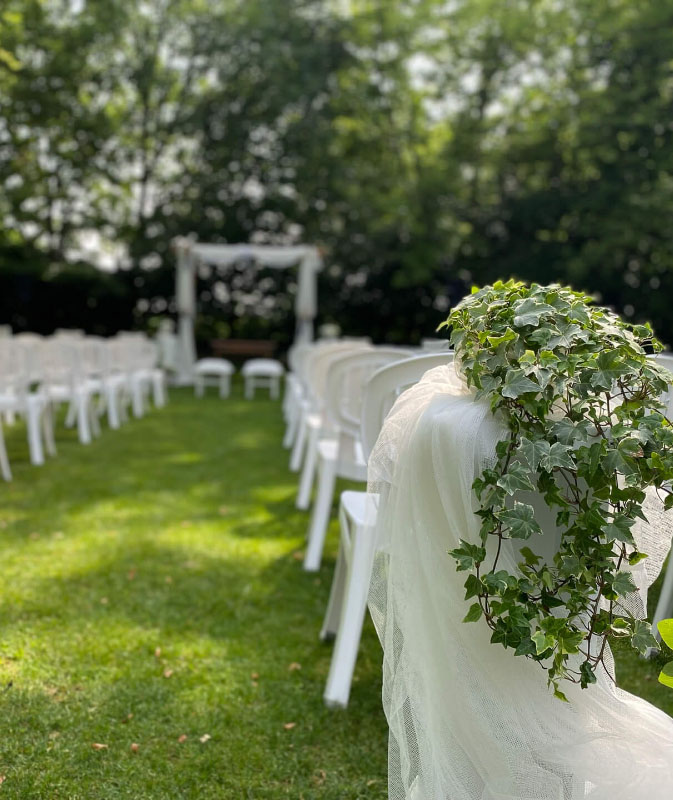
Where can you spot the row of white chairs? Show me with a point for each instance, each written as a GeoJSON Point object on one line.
{"type": "Point", "coordinates": [337, 396]}
{"type": "Point", "coordinates": [92, 375]}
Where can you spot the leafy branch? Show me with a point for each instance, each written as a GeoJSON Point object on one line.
{"type": "Point", "coordinates": [587, 432]}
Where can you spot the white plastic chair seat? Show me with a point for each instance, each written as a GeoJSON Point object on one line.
{"type": "Point", "coordinates": [263, 367]}
{"type": "Point", "coordinates": [214, 366]}
{"type": "Point", "coordinates": [262, 373]}
{"type": "Point", "coordinates": [347, 455]}
{"type": "Point", "coordinates": [213, 371]}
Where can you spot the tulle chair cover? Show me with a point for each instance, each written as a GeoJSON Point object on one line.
{"type": "Point", "coordinates": [468, 720]}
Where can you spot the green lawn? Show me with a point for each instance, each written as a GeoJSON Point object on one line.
{"type": "Point", "coordinates": [151, 592]}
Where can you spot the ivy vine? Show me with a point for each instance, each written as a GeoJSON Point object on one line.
{"type": "Point", "coordinates": [587, 431]}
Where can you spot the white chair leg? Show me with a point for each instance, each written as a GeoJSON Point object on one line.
{"type": "Point", "coordinates": [225, 386]}
{"type": "Point", "coordinates": [83, 419]}
{"type": "Point", "coordinates": [159, 389]}
{"type": "Point", "coordinates": [48, 429]}
{"type": "Point", "coordinates": [320, 516]}
{"type": "Point", "coordinates": [124, 400]}
{"type": "Point", "coordinates": [198, 386]}
{"type": "Point", "coordinates": [275, 387]}
{"type": "Point", "coordinates": [298, 448]}
{"type": "Point", "coordinates": [137, 399]}
{"type": "Point", "coordinates": [291, 429]}
{"type": "Point", "coordinates": [71, 415]}
{"type": "Point", "coordinates": [340, 677]}
{"type": "Point", "coordinates": [94, 422]}
{"type": "Point", "coordinates": [112, 402]}
{"type": "Point", "coordinates": [33, 426]}
{"type": "Point", "coordinates": [249, 387]}
{"type": "Point", "coordinates": [330, 624]}
{"type": "Point", "coordinates": [308, 470]}
{"type": "Point", "coordinates": [4, 460]}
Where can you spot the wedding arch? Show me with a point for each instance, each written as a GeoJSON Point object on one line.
{"type": "Point", "coordinates": [191, 253]}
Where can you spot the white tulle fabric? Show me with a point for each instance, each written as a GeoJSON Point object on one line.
{"type": "Point", "coordinates": [468, 720]}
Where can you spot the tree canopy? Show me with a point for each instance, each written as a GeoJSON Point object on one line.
{"type": "Point", "coordinates": [425, 145]}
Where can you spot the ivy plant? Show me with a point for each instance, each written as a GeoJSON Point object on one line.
{"type": "Point", "coordinates": [586, 429]}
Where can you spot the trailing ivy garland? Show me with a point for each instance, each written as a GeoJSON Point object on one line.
{"type": "Point", "coordinates": [581, 400]}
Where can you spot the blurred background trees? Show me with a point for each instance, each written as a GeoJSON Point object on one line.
{"type": "Point", "coordinates": [426, 144]}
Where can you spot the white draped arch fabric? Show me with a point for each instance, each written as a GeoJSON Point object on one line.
{"type": "Point", "coordinates": [468, 720]}
{"type": "Point", "coordinates": [191, 253]}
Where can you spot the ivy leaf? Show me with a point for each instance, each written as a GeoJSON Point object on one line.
{"type": "Point", "coordinates": [489, 383]}
{"type": "Point", "coordinates": [567, 431]}
{"type": "Point", "coordinates": [529, 311]}
{"type": "Point", "coordinates": [624, 584]}
{"type": "Point", "coordinates": [666, 675]}
{"type": "Point", "coordinates": [467, 555]}
{"type": "Point", "coordinates": [558, 694]}
{"type": "Point", "coordinates": [570, 641]}
{"type": "Point", "coordinates": [543, 641]}
{"type": "Point", "coordinates": [516, 384]}
{"type": "Point", "coordinates": [507, 336]}
{"type": "Point", "coordinates": [587, 674]}
{"type": "Point", "coordinates": [515, 479]}
{"type": "Point", "coordinates": [558, 456]}
{"type": "Point", "coordinates": [619, 529]}
{"type": "Point", "coordinates": [473, 587]}
{"type": "Point", "coordinates": [666, 630]}
{"type": "Point", "coordinates": [526, 648]}
{"type": "Point", "coordinates": [533, 450]}
{"type": "Point", "coordinates": [568, 333]}
{"type": "Point", "coordinates": [496, 581]}
{"type": "Point", "coordinates": [541, 336]}
{"type": "Point", "coordinates": [609, 367]}
{"type": "Point", "coordinates": [642, 638]}
{"type": "Point", "coordinates": [520, 521]}
{"type": "Point", "coordinates": [530, 557]}
{"type": "Point", "coordinates": [473, 614]}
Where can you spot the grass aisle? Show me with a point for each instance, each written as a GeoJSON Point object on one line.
{"type": "Point", "coordinates": [150, 596]}
{"type": "Point", "coordinates": [149, 593]}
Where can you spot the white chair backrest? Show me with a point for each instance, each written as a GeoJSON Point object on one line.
{"type": "Point", "coordinates": [385, 386]}
{"type": "Point", "coordinates": [296, 356]}
{"type": "Point", "coordinates": [317, 366]}
{"type": "Point", "coordinates": [347, 378]}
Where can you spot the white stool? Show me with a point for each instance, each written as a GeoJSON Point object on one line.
{"type": "Point", "coordinates": [262, 373]}
{"type": "Point", "coordinates": [213, 372]}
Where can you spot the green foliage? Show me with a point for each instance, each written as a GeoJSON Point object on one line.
{"type": "Point", "coordinates": [666, 631]}
{"type": "Point", "coordinates": [582, 403]}
{"type": "Point", "coordinates": [401, 135]}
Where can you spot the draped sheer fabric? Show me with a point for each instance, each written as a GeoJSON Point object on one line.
{"type": "Point", "coordinates": [468, 720]}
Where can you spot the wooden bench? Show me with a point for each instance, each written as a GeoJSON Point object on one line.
{"type": "Point", "coordinates": [250, 348]}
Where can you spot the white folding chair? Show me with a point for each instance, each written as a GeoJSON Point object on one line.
{"type": "Point", "coordinates": [315, 377]}
{"type": "Point", "coordinates": [262, 373]}
{"type": "Point", "coordinates": [357, 519]}
{"type": "Point", "coordinates": [64, 381]}
{"type": "Point", "coordinates": [336, 448]}
{"type": "Point", "coordinates": [18, 396]}
{"type": "Point", "coordinates": [294, 389]}
{"type": "Point", "coordinates": [213, 372]}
